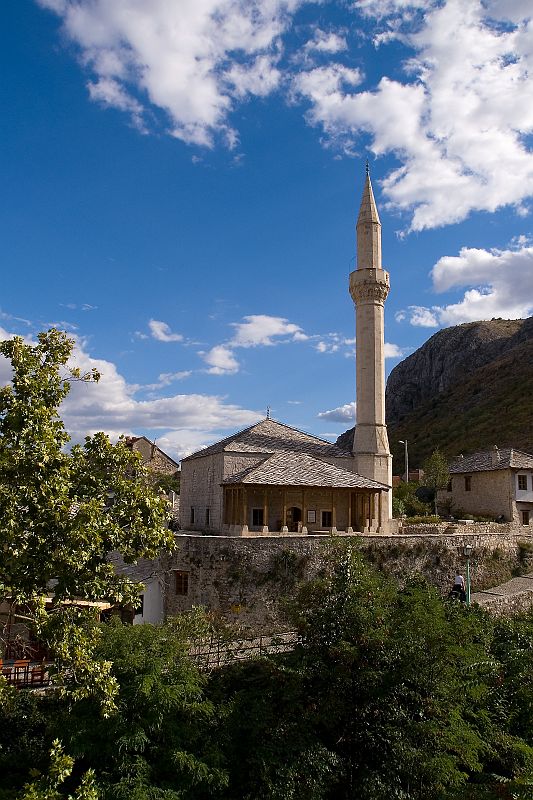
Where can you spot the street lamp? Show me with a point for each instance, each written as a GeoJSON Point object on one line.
{"type": "Point", "coordinates": [406, 454]}
{"type": "Point", "coordinates": [467, 552]}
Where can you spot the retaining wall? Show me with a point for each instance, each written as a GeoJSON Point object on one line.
{"type": "Point", "coordinates": [245, 580]}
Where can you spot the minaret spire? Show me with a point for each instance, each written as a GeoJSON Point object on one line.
{"type": "Point", "coordinates": [368, 229]}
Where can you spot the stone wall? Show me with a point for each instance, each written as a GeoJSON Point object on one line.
{"type": "Point", "coordinates": [244, 580]}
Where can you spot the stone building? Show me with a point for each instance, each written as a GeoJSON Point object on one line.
{"type": "Point", "coordinates": [495, 483]}
{"type": "Point", "coordinates": [273, 478]}
{"type": "Point", "coordinates": [152, 455]}
{"type": "Point", "coordinates": [161, 465]}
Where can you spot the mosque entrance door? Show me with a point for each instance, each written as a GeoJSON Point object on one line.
{"type": "Point", "coordinates": [294, 516]}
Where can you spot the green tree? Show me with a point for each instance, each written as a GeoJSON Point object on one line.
{"type": "Point", "coordinates": [157, 743]}
{"type": "Point", "coordinates": [436, 473]}
{"type": "Point", "coordinates": [391, 693]}
{"type": "Point", "coordinates": [405, 501]}
{"type": "Point", "coordinates": [62, 512]}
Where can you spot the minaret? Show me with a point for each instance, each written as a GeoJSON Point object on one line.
{"type": "Point", "coordinates": [369, 287]}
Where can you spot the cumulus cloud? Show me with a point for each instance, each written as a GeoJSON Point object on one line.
{"type": "Point", "coordinates": [221, 360]}
{"type": "Point", "coordinates": [392, 350]}
{"type": "Point", "coordinates": [344, 414]}
{"type": "Point", "coordinates": [326, 42]}
{"type": "Point", "coordinates": [498, 283]}
{"type": "Point", "coordinates": [168, 378]}
{"type": "Point", "coordinates": [457, 123]}
{"type": "Point", "coordinates": [184, 421]}
{"type": "Point", "coordinates": [262, 329]}
{"type": "Point", "coordinates": [256, 330]}
{"type": "Point", "coordinates": [189, 59]}
{"type": "Point", "coordinates": [162, 332]}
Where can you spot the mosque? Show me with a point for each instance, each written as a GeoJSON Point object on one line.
{"type": "Point", "coordinates": [271, 479]}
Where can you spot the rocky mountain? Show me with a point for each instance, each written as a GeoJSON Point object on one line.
{"type": "Point", "coordinates": [465, 389]}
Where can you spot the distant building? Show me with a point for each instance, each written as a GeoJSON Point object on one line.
{"type": "Point", "coordinates": [152, 455]}
{"type": "Point", "coordinates": [161, 465]}
{"type": "Point", "coordinates": [494, 483]}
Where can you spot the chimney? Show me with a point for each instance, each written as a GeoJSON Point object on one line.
{"type": "Point", "coordinates": [495, 455]}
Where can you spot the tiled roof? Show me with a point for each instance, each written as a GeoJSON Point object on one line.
{"type": "Point", "coordinates": [269, 436]}
{"type": "Point", "coordinates": [508, 458]}
{"type": "Point", "coordinates": [301, 469]}
{"type": "Point", "coordinates": [141, 572]}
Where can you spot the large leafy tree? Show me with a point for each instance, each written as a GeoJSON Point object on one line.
{"type": "Point", "coordinates": [62, 511]}
{"type": "Point", "coordinates": [391, 693]}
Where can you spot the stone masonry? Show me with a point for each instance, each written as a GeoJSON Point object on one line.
{"type": "Point", "coordinates": [244, 580]}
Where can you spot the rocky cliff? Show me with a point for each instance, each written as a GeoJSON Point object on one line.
{"type": "Point", "coordinates": [466, 388]}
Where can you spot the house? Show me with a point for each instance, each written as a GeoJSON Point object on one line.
{"type": "Point", "coordinates": [494, 483]}
{"type": "Point", "coordinates": [161, 465]}
{"type": "Point", "coordinates": [152, 455]}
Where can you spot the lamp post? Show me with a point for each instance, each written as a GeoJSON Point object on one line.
{"type": "Point", "coordinates": [467, 552]}
{"type": "Point", "coordinates": [406, 455]}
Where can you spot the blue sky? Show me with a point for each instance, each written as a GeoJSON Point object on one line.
{"type": "Point", "coordinates": [182, 178]}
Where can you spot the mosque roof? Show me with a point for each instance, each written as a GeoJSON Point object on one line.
{"type": "Point", "coordinates": [270, 436]}
{"type": "Point", "coordinates": [507, 458]}
{"type": "Point", "coordinates": [288, 468]}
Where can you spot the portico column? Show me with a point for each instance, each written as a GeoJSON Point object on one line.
{"type": "Point", "coordinates": [304, 521]}
{"type": "Point", "coordinates": [380, 512]}
{"type": "Point", "coordinates": [333, 510]}
{"type": "Point", "coordinates": [284, 520]}
{"type": "Point", "coordinates": [265, 507]}
{"type": "Point", "coordinates": [244, 506]}
{"type": "Point", "coordinates": [349, 508]}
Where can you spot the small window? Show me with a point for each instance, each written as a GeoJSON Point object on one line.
{"type": "Point", "coordinates": [311, 515]}
{"type": "Point", "coordinates": [208, 516]}
{"type": "Point", "coordinates": [327, 519]}
{"type": "Point", "coordinates": [468, 483]}
{"type": "Point", "coordinates": [192, 515]}
{"type": "Point", "coordinates": [525, 517]}
{"type": "Point", "coordinates": [449, 486]}
{"type": "Point", "coordinates": [522, 483]}
{"type": "Point", "coordinates": [182, 582]}
{"type": "Point", "coordinates": [257, 516]}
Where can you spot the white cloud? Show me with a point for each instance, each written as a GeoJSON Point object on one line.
{"type": "Point", "coordinates": [459, 123]}
{"type": "Point", "coordinates": [499, 283]}
{"type": "Point", "coordinates": [162, 332]}
{"type": "Point", "coordinates": [186, 421]}
{"type": "Point", "coordinates": [326, 42]}
{"type": "Point", "coordinates": [344, 414]}
{"type": "Point", "coordinates": [262, 329]}
{"type": "Point", "coordinates": [420, 316]}
{"type": "Point", "coordinates": [392, 350]}
{"type": "Point", "coordinates": [111, 94]}
{"type": "Point", "coordinates": [220, 360]}
{"type": "Point", "coordinates": [167, 378]}
{"type": "Point", "coordinates": [189, 59]}
{"type": "Point", "coordinates": [259, 78]}
{"type": "Point", "coordinates": [257, 330]}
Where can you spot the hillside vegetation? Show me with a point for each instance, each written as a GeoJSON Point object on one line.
{"type": "Point", "coordinates": [465, 389]}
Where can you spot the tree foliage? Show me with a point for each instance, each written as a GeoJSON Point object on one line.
{"type": "Point", "coordinates": [62, 512]}
{"type": "Point", "coordinates": [392, 693]}
{"type": "Point", "coordinates": [436, 473]}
